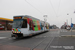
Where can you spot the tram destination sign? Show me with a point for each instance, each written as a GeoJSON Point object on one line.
{"type": "Point", "coordinates": [17, 17]}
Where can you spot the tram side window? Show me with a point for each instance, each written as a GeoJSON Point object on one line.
{"type": "Point", "coordinates": [42, 25]}
{"type": "Point", "coordinates": [46, 26]}
{"type": "Point", "coordinates": [31, 25]}
{"type": "Point", "coordinates": [34, 23]}
{"type": "Point", "coordinates": [24, 25]}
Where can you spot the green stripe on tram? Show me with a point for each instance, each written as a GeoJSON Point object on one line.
{"type": "Point", "coordinates": [35, 28]}
{"type": "Point", "coordinates": [15, 29]}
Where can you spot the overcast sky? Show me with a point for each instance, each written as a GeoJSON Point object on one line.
{"type": "Point", "coordinates": [56, 10]}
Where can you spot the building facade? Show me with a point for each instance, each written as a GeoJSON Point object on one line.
{"type": "Point", "coordinates": [5, 24]}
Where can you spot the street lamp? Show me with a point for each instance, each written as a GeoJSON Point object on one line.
{"type": "Point", "coordinates": [67, 19]}
{"type": "Point", "coordinates": [45, 16]}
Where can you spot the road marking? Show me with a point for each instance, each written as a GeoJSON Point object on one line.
{"type": "Point", "coordinates": [67, 35]}
{"type": "Point", "coordinates": [3, 37]}
{"type": "Point", "coordinates": [62, 47]}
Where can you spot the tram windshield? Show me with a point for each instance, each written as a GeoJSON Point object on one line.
{"type": "Point", "coordinates": [19, 23]}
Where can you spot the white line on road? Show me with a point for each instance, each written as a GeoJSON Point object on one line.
{"type": "Point", "coordinates": [3, 37]}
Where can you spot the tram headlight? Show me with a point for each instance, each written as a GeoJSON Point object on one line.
{"type": "Point", "coordinates": [14, 32]}
{"type": "Point", "coordinates": [18, 32]}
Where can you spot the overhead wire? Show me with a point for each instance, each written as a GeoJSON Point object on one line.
{"type": "Point", "coordinates": [53, 8]}
{"type": "Point", "coordinates": [33, 7]}
{"type": "Point", "coordinates": [59, 6]}
{"type": "Point", "coordinates": [51, 5]}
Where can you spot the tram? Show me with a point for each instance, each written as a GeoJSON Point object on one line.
{"type": "Point", "coordinates": [27, 26]}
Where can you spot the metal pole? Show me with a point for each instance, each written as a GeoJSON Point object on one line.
{"type": "Point", "coordinates": [71, 27]}
{"type": "Point", "coordinates": [45, 16]}
{"type": "Point", "coordinates": [67, 22]}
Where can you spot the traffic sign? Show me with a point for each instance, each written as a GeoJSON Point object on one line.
{"type": "Point", "coordinates": [71, 24]}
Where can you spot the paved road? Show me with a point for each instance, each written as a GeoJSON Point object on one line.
{"type": "Point", "coordinates": [51, 40]}
{"type": "Point", "coordinates": [67, 32]}
{"type": "Point", "coordinates": [64, 42]}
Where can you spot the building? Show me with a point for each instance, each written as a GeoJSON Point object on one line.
{"type": "Point", "coordinates": [63, 26]}
{"type": "Point", "coordinates": [53, 27]}
{"type": "Point", "coordinates": [5, 23]}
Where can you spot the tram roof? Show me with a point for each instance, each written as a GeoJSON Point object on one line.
{"type": "Point", "coordinates": [27, 17]}
{"type": "Point", "coordinates": [6, 19]}
{"type": "Point", "coordinates": [30, 17]}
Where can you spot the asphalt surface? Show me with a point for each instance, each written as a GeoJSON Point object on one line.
{"type": "Point", "coordinates": [52, 40]}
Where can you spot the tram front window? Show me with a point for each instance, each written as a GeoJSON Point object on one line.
{"type": "Point", "coordinates": [19, 23]}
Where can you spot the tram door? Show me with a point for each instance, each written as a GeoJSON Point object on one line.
{"type": "Point", "coordinates": [24, 28]}
{"type": "Point", "coordinates": [30, 25]}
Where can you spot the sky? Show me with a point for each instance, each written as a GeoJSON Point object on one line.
{"type": "Point", "coordinates": [56, 10]}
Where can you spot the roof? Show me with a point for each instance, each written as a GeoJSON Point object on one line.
{"type": "Point", "coordinates": [30, 17]}
{"type": "Point", "coordinates": [6, 19]}
{"type": "Point", "coordinates": [27, 17]}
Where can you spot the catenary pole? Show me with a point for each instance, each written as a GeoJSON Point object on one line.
{"type": "Point", "coordinates": [71, 27]}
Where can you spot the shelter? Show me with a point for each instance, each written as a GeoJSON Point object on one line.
{"type": "Point", "coordinates": [5, 23]}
